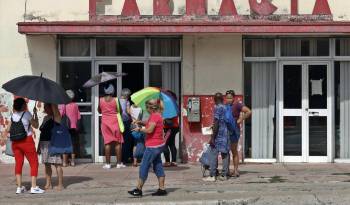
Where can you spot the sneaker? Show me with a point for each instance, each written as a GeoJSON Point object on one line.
{"type": "Point", "coordinates": [209, 179]}
{"type": "Point", "coordinates": [121, 165]}
{"type": "Point", "coordinates": [20, 190]}
{"type": "Point", "coordinates": [136, 192]}
{"type": "Point", "coordinates": [107, 166]}
{"type": "Point", "coordinates": [160, 192]}
{"type": "Point", "coordinates": [36, 190]}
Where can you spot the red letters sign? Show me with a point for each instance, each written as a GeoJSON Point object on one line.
{"type": "Point", "coordinates": [199, 8]}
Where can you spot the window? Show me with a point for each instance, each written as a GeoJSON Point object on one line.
{"type": "Point", "coordinates": [259, 48]}
{"type": "Point", "coordinates": [120, 47]}
{"type": "Point", "coordinates": [73, 75]}
{"type": "Point", "coordinates": [165, 47]}
{"type": "Point", "coordinates": [342, 47]}
{"type": "Point", "coordinates": [75, 47]}
{"type": "Point", "coordinates": [305, 47]}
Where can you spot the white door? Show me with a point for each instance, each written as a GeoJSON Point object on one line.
{"type": "Point", "coordinates": [305, 119]}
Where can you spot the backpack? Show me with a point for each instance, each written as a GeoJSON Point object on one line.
{"type": "Point", "coordinates": [17, 130]}
{"type": "Point", "coordinates": [61, 142]}
{"type": "Point", "coordinates": [231, 121]}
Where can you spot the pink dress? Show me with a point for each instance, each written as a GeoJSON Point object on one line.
{"type": "Point", "coordinates": [72, 112]}
{"type": "Point", "coordinates": [109, 125]}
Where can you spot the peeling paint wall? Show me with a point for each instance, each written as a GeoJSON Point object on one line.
{"type": "Point", "coordinates": [204, 56]}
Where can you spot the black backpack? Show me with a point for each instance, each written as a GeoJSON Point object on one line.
{"type": "Point", "coordinates": [17, 130]}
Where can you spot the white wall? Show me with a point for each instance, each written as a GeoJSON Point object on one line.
{"type": "Point", "coordinates": [23, 54]}
{"type": "Point", "coordinates": [212, 63]}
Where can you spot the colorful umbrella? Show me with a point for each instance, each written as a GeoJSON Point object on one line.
{"type": "Point", "coordinates": [170, 107]}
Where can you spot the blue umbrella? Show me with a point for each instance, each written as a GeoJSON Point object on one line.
{"type": "Point", "coordinates": [171, 109]}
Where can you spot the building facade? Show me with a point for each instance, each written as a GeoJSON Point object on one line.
{"type": "Point", "coordinates": [287, 60]}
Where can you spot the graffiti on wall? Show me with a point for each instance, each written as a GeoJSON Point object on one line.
{"type": "Point", "coordinates": [6, 101]}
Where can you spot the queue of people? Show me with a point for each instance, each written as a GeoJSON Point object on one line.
{"type": "Point", "coordinates": [147, 134]}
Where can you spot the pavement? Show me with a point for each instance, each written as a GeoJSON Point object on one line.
{"type": "Point", "coordinates": [281, 184]}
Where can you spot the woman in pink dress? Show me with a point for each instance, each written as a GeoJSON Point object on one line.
{"type": "Point", "coordinates": [110, 128]}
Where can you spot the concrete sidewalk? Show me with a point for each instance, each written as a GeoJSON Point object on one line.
{"type": "Point", "coordinates": [258, 184]}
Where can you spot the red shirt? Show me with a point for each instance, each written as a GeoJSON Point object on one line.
{"type": "Point", "coordinates": [155, 139]}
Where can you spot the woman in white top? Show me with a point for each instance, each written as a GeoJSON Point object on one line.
{"type": "Point", "coordinates": [25, 147]}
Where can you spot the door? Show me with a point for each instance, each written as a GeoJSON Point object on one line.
{"type": "Point", "coordinates": [134, 80]}
{"type": "Point", "coordinates": [305, 117]}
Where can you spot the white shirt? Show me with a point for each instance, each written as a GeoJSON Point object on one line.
{"type": "Point", "coordinates": [27, 117]}
{"type": "Point", "coordinates": [135, 112]}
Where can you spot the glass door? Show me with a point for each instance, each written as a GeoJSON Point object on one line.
{"type": "Point", "coordinates": [305, 119]}
{"type": "Point", "coordinates": [134, 80]}
{"type": "Point", "coordinates": [99, 92]}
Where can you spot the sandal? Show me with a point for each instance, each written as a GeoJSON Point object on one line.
{"type": "Point", "coordinates": [167, 164]}
{"type": "Point", "coordinates": [173, 164]}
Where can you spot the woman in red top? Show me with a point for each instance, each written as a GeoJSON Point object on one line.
{"type": "Point", "coordinates": [154, 147]}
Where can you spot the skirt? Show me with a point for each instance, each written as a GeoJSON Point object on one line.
{"type": "Point", "coordinates": [45, 156]}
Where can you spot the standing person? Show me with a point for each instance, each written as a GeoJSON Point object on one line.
{"type": "Point", "coordinates": [219, 141]}
{"type": "Point", "coordinates": [139, 141]}
{"type": "Point", "coordinates": [110, 127]}
{"type": "Point", "coordinates": [240, 113]}
{"type": "Point", "coordinates": [25, 147]}
{"type": "Point", "coordinates": [52, 116]}
{"type": "Point", "coordinates": [154, 147]}
{"type": "Point", "coordinates": [171, 128]}
{"type": "Point", "coordinates": [71, 110]}
{"type": "Point", "coordinates": [128, 141]}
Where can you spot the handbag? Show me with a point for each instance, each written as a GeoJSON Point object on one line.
{"type": "Point", "coordinates": [120, 119]}
{"type": "Point", "coordinates": [65, 119]}
{"type": "Point", "coordinates": [61, 142]}
{"type": "Point", "coordinates": [8, 150]}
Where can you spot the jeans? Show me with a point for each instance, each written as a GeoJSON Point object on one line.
{"type": "Point", "coordinates": [225, 163]}
{"type": "Point", "coordinates": [151, 156]}
{"type": "Point", "coordinates": [170, 144]}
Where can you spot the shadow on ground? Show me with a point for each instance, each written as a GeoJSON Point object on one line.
{"type": "Point", "coordinates": [179, 168]}
{"type": "Point", "coordinates": [67, 181]}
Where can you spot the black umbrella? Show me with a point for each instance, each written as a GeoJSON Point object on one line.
{"type": "Point", "coordinates": [37, 88]}
{"type": "Point", "coordinates": [102, 78]}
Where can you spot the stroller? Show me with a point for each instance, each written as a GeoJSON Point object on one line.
{"type": "Point", "coordinates": [206, 158]}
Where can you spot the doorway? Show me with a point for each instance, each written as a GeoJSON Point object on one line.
{"type": "Point", "coordinates": [305, 112]}
{"type": "Point", "coordinates": [134, 80]}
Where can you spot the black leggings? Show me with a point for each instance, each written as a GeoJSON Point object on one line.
{"type": "Point", "coordinates": [170, 144]}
